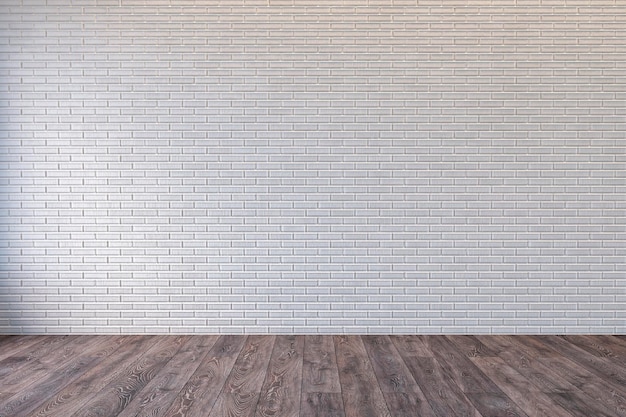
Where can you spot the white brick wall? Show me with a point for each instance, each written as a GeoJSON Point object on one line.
{"type": "Point", "coordinates": [313, 166]}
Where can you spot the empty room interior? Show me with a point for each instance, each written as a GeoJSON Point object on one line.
{"type": "Point", "coordinates": [314, 208]}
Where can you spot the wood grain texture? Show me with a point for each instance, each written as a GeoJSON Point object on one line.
{"type": "Point", "coordinates": [312, 376]}
{"type": "Point", "coordinates": [515, 356]}
{"type": "Point", "coordinates": [116, 396]}
{"type": "Point", "coordinates": [532, 346]}
{"type": "Point", "coordinates": [13, 345]}
{"type": "Point", "coordinates": [4, 395]}
{"type": "Point", "coordinates": [620, 339]}
{"type": "Point", "coordinates": [600, 346]}
{"type": "Point", "coordinates": [36, 393]}
{"type": "Point", "coordinates": [443, 395]}
{"type": "Point", "coordinates": [611, 375]}
{"type": "Point", "coordinates": [411, 345]}
{"type": "Point", "coordinates": [549, 377]}
{"type": "Point", "coordinates": [19, 371]}
{"type": "Point", "coordinates": [529, 398]}
{"type": "Point", "coordinates": [199, 394]}
{"type": "Point", "coordinates": [402, 394]}
{"type": "Point", "coordinates": [611, 353]}
{"type": "Point", "coordinates": [240, 393]}
{"type": "Point", "coordinates": [280, 394]}
{"type": "Point", "coordinates": [595, 357]}
{"type": "Point", "coordinates": [361, 398]}
{"type": "Point", "coordinates": [471, 347]}
{"type": "Point", "coordinates": [482, 392]}
{"type": "Point", "coordinates": [319, 369]}
{"type": "Point", "coordinates": [457, 367]}
{"type": "Point", "coordinates": [66, 402]}
{"type": "Point", "coordinates": [581, 406]}
{"type": "Point", "coordinates": [321, 390]}
{"type": "Point", "coordinates": [44, 346]}
{"type": "Point", "coordinates": [491, 404]}
{"type": "Point", "coordinates": [588, 387]}
{"type": "Point", "coordinates": [159, 393]}
{"type": "Point", "coordinates": [321, 404]}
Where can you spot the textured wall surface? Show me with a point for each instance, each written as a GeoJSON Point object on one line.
{"type": "Point", "coordinates": [429, 166]}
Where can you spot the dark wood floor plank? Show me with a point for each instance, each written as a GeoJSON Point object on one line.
{"type": "Point", "coordinates": [157, 396]}
{"type": "Point", "coordinates": [319, 369]}
{"type": "Point", "coordinates": [361, 398]}
{"type": "Point", "coordinates": [120, 392]}
{"type": "Point", "coordinates": [411, 345]}
{"type": "Point", "coordinates": [391, 372]}
{"type": "Point", "coordinates": [402, 394]}
{"type": "Point", "coordinates": [597, 346]}
{"type": "Point", "coordinates": [321, 390]}
{"type": "Point", "coordinates": [491, 404]}
{"type": "Point", "coordinates": [280, 394]}
{"type": "Point", "coordinates": [240, 393]}
{"type": "Point", "coordinates": [444, 397]}
{"type": "Point", "coordinates": [612, 377]}
{"type": "Point", "coordinates": [13, 345]}
{"type": "Point", "coordinates": [123, 352]}
{"type": "Point", "coordinates": [4, 395]}
{"type": "Point", "coordinates": [482, 392]}
{"type": "Point", "coordinates": [584, 358]}
{"type": "Point", "coordinates": [48, 345]}
{"type": "Point", "coordinates": [459, 368]}
{"type": "Point", "coordinates": [321, 404]}
{"type": "Point", "coordinates": [612, 363]}
{"type": "Point", "coordinates": [28, 399]}
{"type": "Point", "coordinates": [549, 379]}
{"type": "Point", "coordinates": [611, 343]}
{"type": "Point", "coordinates": [471, 347]}
{"type": "Point", "coordinates": [588, 385]}
{"type": "Point", "coordinates": [525, 394]}
{"type": "Point", "coordinates": [19, 371]}
{"type": "Point", "coordinates": [611, 372]}
{"type": "Point", "coordinates": [515, 356]}
{"type": "Point", "coordinates": [580, 405]}
{"type": "Point", "coordinates": [533, 347]}
{"type": "Point", "coordinates": [619, 339]}
{"type": "Point", "coordinates": [198, 395]}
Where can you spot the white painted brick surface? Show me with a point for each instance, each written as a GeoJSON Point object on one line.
{"type": "Point", "coordinates": [355, 166]}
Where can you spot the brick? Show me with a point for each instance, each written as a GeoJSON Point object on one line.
{"type": "Point", "coordinates": [441, 169]}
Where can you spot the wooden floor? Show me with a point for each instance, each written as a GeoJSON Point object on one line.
{"type": "Point", "coordinates": [324, 376]}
